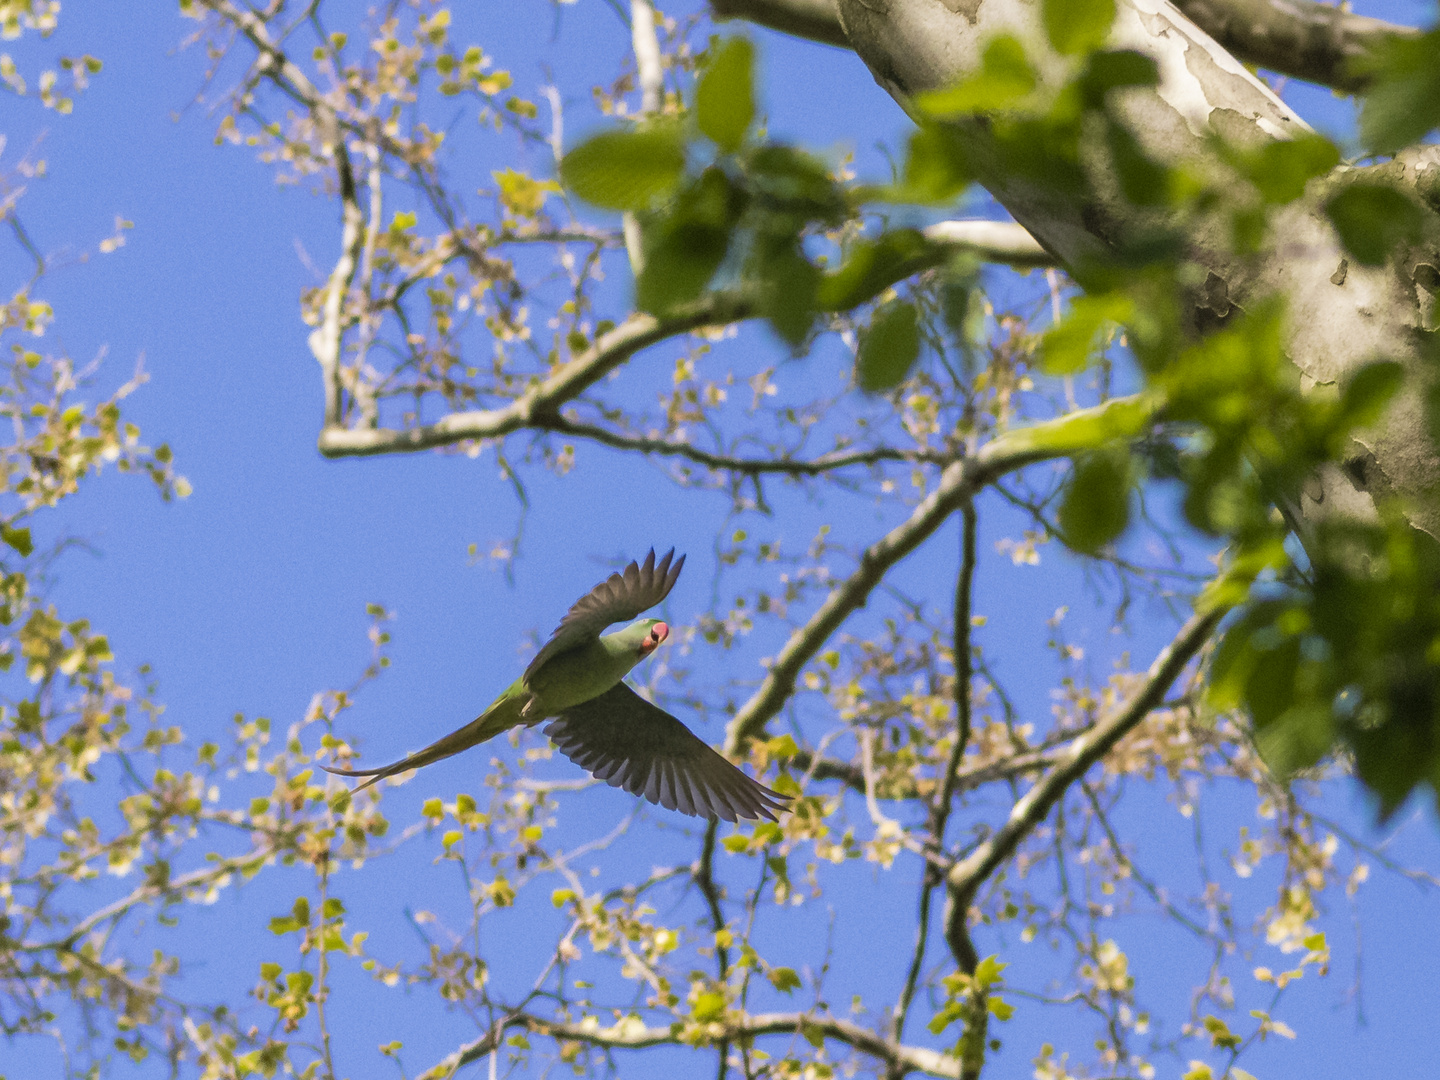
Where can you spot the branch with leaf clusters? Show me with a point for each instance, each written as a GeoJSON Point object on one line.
{"type": "Point", "coordinates": [959, 483]}
{"type": "Point", "coordinates": [632, 1034]}
{"type": "Point", "coordinates": [538, 408]}
{"type": "Point", "coordinates": [966, 877]}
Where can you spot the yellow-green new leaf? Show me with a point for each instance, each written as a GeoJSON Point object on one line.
{"type": "Point", "coordinates": [626, 170]}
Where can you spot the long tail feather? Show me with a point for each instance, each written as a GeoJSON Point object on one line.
{"type": "Point", "coordinates": [501, 716]}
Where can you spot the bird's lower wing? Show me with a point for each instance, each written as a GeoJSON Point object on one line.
{"type": "Point", "coordinates": [629, 743]}
{"type": "Point", "coordinates": [501, 716]}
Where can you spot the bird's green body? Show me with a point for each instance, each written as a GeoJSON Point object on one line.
{"type": "Point", "coordinates": [573, 677]}
{"type": "Point", "coordinates": [604, 726]}
{"type": "Point", "coordinates": [564, 680]}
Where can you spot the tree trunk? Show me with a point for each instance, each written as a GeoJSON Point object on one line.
{"type": "Point", "coordinates": [1341, 315]}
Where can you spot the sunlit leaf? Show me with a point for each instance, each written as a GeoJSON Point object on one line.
{"type": "Point", "coordinates": [1075, 26]}
{"type": "Point", "coordinates": [725, 96]}
{"type": "Point", "coordinates": [1005, 77]}
{"type": "Point", "coordinates": [626, 170]}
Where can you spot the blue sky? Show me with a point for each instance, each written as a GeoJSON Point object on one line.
{"type": "Point", "coordinates": [249, 596]}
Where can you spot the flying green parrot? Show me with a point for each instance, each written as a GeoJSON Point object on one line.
{"type": "Point", "coordinates": [600, 723]}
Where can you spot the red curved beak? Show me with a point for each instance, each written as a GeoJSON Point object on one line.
{"type": "Point", "coordinates": [658, 633]}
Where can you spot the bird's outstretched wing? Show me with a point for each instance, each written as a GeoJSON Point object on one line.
{"type": "Point", "coordinates": [629, 743]}
{"type": "Point", "coordinates": [620, 597]}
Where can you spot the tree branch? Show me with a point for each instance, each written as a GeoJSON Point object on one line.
{"type": "Point", "coordinates": [960, 482]}
{"type": "Point", "coordinates": [539, 407]}
{"type": "Point", "coordinates": [813, 19]}
{"type": "Point", "coordinates": [1035, 805]}
{"type": "Point", "coordinates": [944, 799]}
{"type": "Point", "coordinates": [543, 400]}
{"type": "Point", "coordinates": [749, 466]}
{"type": "Point", "coordinates": [632, 1034]}
{"type": "Point", "coordinates": [824, 768]}
{"type": "Point", "coordinates": [1300, 38]}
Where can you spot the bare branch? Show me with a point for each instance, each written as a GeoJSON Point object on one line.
{"type": "Point", "coordinates": [1005, 242]}
{"type": "Point", "coordinates": [824, 768]}
{"type": "Point", "coordinates": [543, 400]}
{"type": "Point", "coordinates": [748, 466]}
{"type": "Point", "coordinates": [1035, 805]}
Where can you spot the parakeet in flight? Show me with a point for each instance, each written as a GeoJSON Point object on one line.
{"type": "Point", "coordinates": [599, 722]}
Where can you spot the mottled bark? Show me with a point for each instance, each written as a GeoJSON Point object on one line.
{"type": "Point", "coordinates": [1339, 321]}
{"type": "Point", "coordinates": [1298, 38]}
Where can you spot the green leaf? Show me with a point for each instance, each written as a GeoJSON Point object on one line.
{"type": "Point", "coordinates": [935, 166]}
{"type": "Point", "coordinates": [1299, 738]}
{"type": "Point", "coordinates": [626, 170]}
{"type": "Point", "coordinates": [1076, 26]}
{"type": "Point", "coordinates": [889, 348]}
{"type": "Point", "coordinates": [1270, 687]}
{"type": "Point", "coordinates": [1004, 78]}
{"type": "Point", "coordinates": [871, 267]}
{"type": "Point", "coordinates": [1066, 348]}
{"type": "Point", "coordinates": [1232, 663]}
{"type": "Point", "coordinates": [725, 96]}
{"type": "Point", "coordinates": [1280, 169]}
{"type": "Point", "coordinates": [790, 181]}
{"type": "Point", "coordinates": [1096, 507]}
{"type": "Point", "coordinates": [1403, 103]}
{"type": "Point", "coordinates": [708, 1006]}
{"type": "Point", "coordinates": [1369, 391]}
{"type": "Point", "coordinates": [1115, 69]}
{"type": "Point", "coordinates": [784, 979]}
{"type": "Point", "coordinates": [685, 248]}
{"type": "Point", "coordinates": [1143, 181]}
{"type": "Point", "coordinates": [19, 539]}
{"type": "Point", "coordinates": [999, 1008]}
{"type": "Point", "coordinates": [1084, 429]}
{"type": "Point", "coordinates": [987, 971]}
{"type": "Point", "coordinates": [1373, 219]}
{"type": "Point", "coordinates": [788, 285]}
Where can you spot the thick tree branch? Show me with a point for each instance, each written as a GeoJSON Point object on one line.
{"type": "Point", "coordinates": [1300, 38]}
{"type": "Point", "coordinates": [539, 407]}
{"type": "Point", "coordinates": [813, 19]}
{"type": "Point", "coordinates": [543, 400]}
{"type": "Point", "coordinates": [1303, 39]}
{"type": "Point", "coordinates": [960, 482]}
{"type": "Point", "coordinates": [632, 1034]}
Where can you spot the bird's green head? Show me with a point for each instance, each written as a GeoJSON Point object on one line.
{"type": "Point", "coordinates": [643, 636]}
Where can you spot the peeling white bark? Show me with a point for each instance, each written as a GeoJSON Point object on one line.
{"type": "Point", "coordinates": [1339, 321]}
